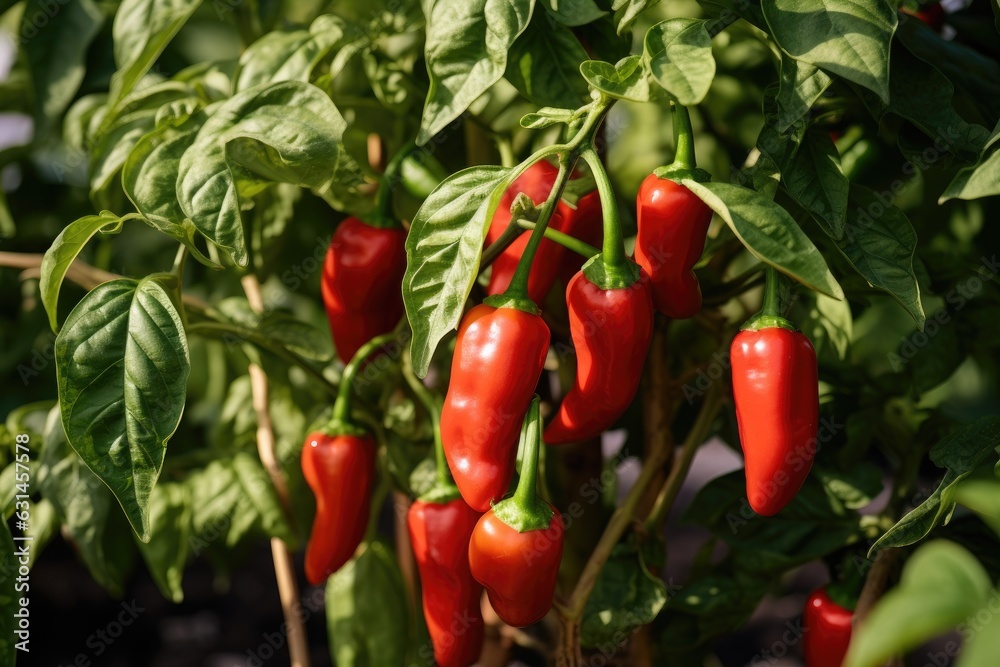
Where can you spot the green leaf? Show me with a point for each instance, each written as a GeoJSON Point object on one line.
{"type": "Point", "coordinates": [141, 30]}
{"type": "Point", "coordinates": [114, 147]}
{"type": "Point", "coordinates": [366, 610]}
{"type": "Point", "coordinates": [9, 600]}
{"type": "Point", "coordinates": [982, 180]}
{"type": "Point", "coordinates": [801, 84]}
{"type": "Point", "coordinates": [923, 96]}
{"type": "Point", "coordinates": [626, 80]}
{"type": "Point", "coordinates": [983, 498]}
{"type": "Point", "coordinates": [678, 53]}
{"type": "Point", "coordinates": [960, 452]}
{"type": "Point", "coordinates": [941, 585]}
{"type": "Point", "coordinates": [86, 508]}
{"type": "Point", "coordinates": [466, 52]}
{"type": "Point", "coordinates": [879, 242]}
{"type": "Point", "coordinates": [63, 251]}
{"type": "Point", "coordinates": [573, 13]}
{"type": "Point", "coordinates": [278, 327]}
{"type": "Point", "coordinates": [627, 11]}
{"type": "Point", "coordinates": [443, 250]}
{"type": "Point", "coordinates": [233, 500]}
{"type": "Point", "coordinates": [982, 639]}
{"type": "Point", "coordinates": [849, 38]}
{"type": "Point", "coordinates": [543, 65]}
{"type": "Point", "coordinates": [288, 132]}
{"type": "Point", "coordinates": [288, 56]}
{"type": "Point", "coordinates": [55, 45]}
{"type": "Point", "coordinates": [769, 233]}
{"type": "Point", "coordinates": [169, 543]}
{"type": "Point", "coordinates": [625, 597]}
{"type": "Point", "coordinates": [121, 367]}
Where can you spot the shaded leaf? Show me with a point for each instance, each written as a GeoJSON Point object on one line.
{"type": "Point", "coordinates": [678, 53]}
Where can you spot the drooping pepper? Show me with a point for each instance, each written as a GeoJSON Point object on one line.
{"type": "Point", "coordinates": [498, 360]}
{"type": "Point", "coordinates": [827, 628]}
{"type": "Point", "coordinates": [672, 226]}
{"type": "Point", "coordinates": [362, 275]}
{"type": "Point", "coordinates": [440, 525]}
{"type": "Point", "coordinates": [516, 547]}
{"type": "Point", "coordinates": [338, 463]}
{"type": "Point", "coordinates": [776, 393]}
{"type": "Point", "coordinates": [611, 322]}
{"type": "Point", "coordinates": [440, 534]}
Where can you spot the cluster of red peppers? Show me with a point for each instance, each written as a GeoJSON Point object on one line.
{"type": "Point", "coordinates": [467, 534]}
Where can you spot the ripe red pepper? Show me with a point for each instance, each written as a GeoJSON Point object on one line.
{"type": "Point", "coordinates": [340, 470]}
{"type": "Point", "coordinates": [776, 392]}
{"type": "Point", "coordinates": [516, 547]}
{"type": "Point", "coordinates": [611, 331]}
{"type": "Point", "coordinates": [362, 275]}
{"type": "Point", "coordinates": [827, 628]}
{"type": "Point", "coordinates": [440, 533]}
{"type": "Point", "coordinates": [672, 226]}
{"type": "Point", "coordinates": [498, 360]}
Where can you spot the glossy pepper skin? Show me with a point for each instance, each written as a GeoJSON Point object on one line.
{"type": "Point", "coordinates": [340, 470]}
{"type": "Point", "coordinates": [498, 359]}
{"type": "Point", "coordinates": [440, 536]}
{"type": "Point", "coordinates": [519, 570]}
{"type": "Point", "coordinates": [611, 331]}
{"type": "Point", "coordinates": [672, 226]}
{"type": "Point", "coordinates": [776, 392]}
{"type": "Point", "coordinates": [362, 275]}
{"type": "Point", "coordinates": [551, 258]}
{"type": "Point", "coordinates": [827, 631]}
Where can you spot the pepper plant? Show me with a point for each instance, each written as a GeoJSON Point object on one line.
{"type": "Point", "coordinates": [239, 237]}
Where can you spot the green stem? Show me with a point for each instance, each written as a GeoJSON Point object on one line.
{"type": "Point", "coordinates": [506, 149]}
{"type": "Point", "coordinates": [565, 240]}
{"type": "Point", "coordinates": [769, 315]}
{"type": "Point", "coordinates": [433, 406]}
{"type": "Point", "coordinates": [383, 215]}
{"type": "Point", "coordinates": [683, 138]}
{"type": "Point", "coordinates": [178, 270]}
{"type": "Point", "coordinates": [222, 329]}
{"type": "Point", "coordinates": [341, 420]}
{"type": "Point", "coordinates": [525, 510]}
{"type": "Point", "coordinates": [613, 270]}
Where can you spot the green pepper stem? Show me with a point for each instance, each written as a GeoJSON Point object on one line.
{"type": "Point", "coordinates": [614, 271]}
{"type": "Point", "coordinates": [769, 315]}
{"type": "Point", "coordinates": [433, 406]}
{"type": "Point", "coordinates": [565, 240]}
{"type": "Point", "coordinates": [683, 138]}
{"type": "Point", "coordinates": [342, 407]}
{"type": "Point", "coordinates": [527, 487]}
{"type": "Point", "coordinates": [383, 215]}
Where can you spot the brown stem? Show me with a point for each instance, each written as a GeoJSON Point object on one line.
{"type": "Point", "coordinates": [875, 584]}
{"type": "Point", "coordinates": [284, 571]}
{"type": "Point", "coordinates": [568, 654]}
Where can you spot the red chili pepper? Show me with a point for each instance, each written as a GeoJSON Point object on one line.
{"type": "Point", "coordinates": [340, 470]}
{"type": "Point", "coordinates": [585, 222]}
{"type": "Point", "coordinates": [551, 260]}
{"type": "Point", "coordinates": [672, 226]}
{"type": "Point", "coordinates": [498, 360]}
{"type": "Point", "coordinates": [827, 628]}
{"type": "Point", "coordinates": [776, 392]}
{"type": "Point", "coordinates": [611, 331]}
{"type": "Point", "coordinates": [362, 275]}
{"type": "Point", "coordinates": [440, 533]}
{"type": "Point", "coordinates": [516, 547]}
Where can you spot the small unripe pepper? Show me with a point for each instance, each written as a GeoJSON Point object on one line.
{"type": "Point", "coordinates": [827, 628]}
{"type": "Point", "coordinates": [499, 355]}
{"type": "Point", "coordinates": [362, 274]}
{"type": "Point", "coordinates": [776, 393]}
{"type": "Point", "coordinates": [516, 547]}
{"type": "Point", "coordinates": [611, 330]}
